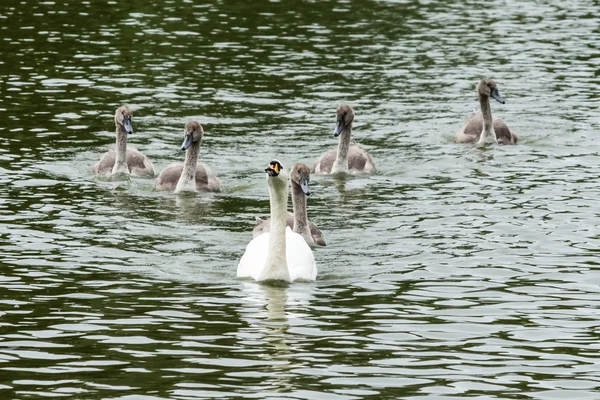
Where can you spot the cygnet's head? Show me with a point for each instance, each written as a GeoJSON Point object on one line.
{"type": "Point", "coordinates": [192, 133]}
{"type": "Point", "coordinates": [276, 174]}
{"type": "Point", "coordinates": [488, 88]}
{"type": "Point", "coordinates": [300, 175]}
{"type": "Point", "coordinates": [123, 117]}
{"type": "Point", "coordinates": [345, 116]}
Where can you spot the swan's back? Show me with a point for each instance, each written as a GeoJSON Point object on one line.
{"type": "Point", "coordinates": [255, 257]}
{"type": "Point", "coordinates": [168, 178]}
{"type": "Point", "coordinates": [205, 179]}
{"type": "Point", "coordinates": [503, 132]}
{"type": "Point", "coordinates": [359, 161]}
{"type": "Point", "coordinates": [473, 129]}
{"type": "Point", "coordinates": [137, 163]}
{"type": "Point", "coordinates": [264, 225]}
{"type": "Point", "coordinates": [106, 163]}
{"type": "Point", "coordinates": [299, 256]}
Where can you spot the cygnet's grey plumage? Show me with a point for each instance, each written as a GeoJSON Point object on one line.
{"type": "Point", "coordinates": [191, 175]}
{"type": "Point", "coordinates": [349, 157]}
{"type": "Point", "coordinates": [482, 127]}
{"type": "Point", "coordinates": [298, 220]}
{"type": "Point", "coordinates": [124, 159]}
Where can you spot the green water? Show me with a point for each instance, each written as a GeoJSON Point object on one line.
{"type": "Point", "coordinates": [456, 272]}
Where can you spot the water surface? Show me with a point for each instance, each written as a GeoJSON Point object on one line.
{"type": "Point", "coordinates": [456, 272]}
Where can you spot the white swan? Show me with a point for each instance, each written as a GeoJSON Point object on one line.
{"type": "Point", "coordinates": [482, 128]}
{"type": "Point", "coordinates": [298, 221]}
{"type": "Point", "coordinates": [349, 157]}
{"type": "Point", "coordinates": [124, 160]}
{"type": "Point", "coordinates": [192, 175]}
{"type": "Point", "coordinates": [281, 254]}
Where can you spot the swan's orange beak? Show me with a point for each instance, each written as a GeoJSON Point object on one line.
{"type": "Point", "coordinates": [274, 168]}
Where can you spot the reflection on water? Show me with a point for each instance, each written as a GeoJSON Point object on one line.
{"type": "Point", "coordinates": [455, 272]}
{"type": "Point", "coordinates": [268, 327]}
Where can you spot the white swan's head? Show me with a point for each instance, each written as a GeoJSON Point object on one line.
{"type": "Point", "coordinates": [488, 88]}
{"type": "Point", "coordinates": [123, 117]}
{"type": "Point", "coordinates": [345, 116]}
{"type": "Point", "coordinates": [300, 175]}
{"type": "Point", "coordinates": [276, 175]}
{"type": "Point", "coordinates": [192, 133]}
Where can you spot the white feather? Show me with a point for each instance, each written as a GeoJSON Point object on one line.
{"type": "Point", "coordinates": [299, 257]}
{"type": "Point", "coordinates": [279, 254]}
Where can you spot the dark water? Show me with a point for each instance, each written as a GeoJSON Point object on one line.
{"type": "Point", "coordinates": [455, 272]}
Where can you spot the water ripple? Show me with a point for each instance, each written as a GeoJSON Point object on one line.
{"type": "Point", "coordinates": [455, 272]}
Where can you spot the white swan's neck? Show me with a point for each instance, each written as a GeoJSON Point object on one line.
{"type": "Point", "coordinates": [340, 165]}
{"type": "Point", "coordinates": [488, 133]}
{"type": "Point", "coordinates": [187, 180]}
{"type": "Point", "coordinates": [121, 152]}
{"type": "Point", "coordinates": [300, 214]}
{"type": "Point", "coordinates": [276, 267]}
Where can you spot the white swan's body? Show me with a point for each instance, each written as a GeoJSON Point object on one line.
{"type": "Point", "coordinates": [298, 221]}
{"type": "Point", "coordinates": [281, 254]}
{"type": "Point", "coordinates": [300, 261]}
{"type": "Point", "coordinates": [124, 160]}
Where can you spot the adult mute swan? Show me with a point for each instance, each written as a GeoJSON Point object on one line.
{"type": "Point", "coordinates": [191, 175]}
{"type": "Point", "coordinates": [298, 221]}
{"type": "Point", "coordinates": [482, 128]}
{"type": "Point", "coordinates": [281, 254]}
{"type": "Point", "coordinates": [349, 158]}
{"type": "Point", "coordinates": [124, 160]}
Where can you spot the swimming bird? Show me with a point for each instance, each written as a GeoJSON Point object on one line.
{"type": "Point", "coordinates": [349, 157]}
{"type": "Point", "coordinates": [192, 175]}
{"type": "Point", "coordinates": [482, 128]}
{"type": "Point", "coordinates": [124, 160]}
{"type": "Point", "coordinates": [280, 254]}
{"type": "Point", "coordinates": [298, 220]}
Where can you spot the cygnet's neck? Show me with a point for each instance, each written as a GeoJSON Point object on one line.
{"type": "Point", "coordinates": [300, 214]}
{"type": "Point", "coordinates": [340, 165]}
{"type": "Point", "coordinates": [276, 267]}
{"type": "Point", "coordinates": [187, 180]}
{"type": "Point", "coordinates": [121, 152]}
{"type": "Point", "coordinates": [488, 133]}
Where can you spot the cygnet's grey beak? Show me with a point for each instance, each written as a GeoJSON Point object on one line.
{"type": "Point", "coordinates": [339, 127]}
{"type": "Point", "coordinates": [127, 125]}
{"type": "Point", "coordinates": [187, 141]}
{"type": "Point", "coordinates": [304, 185]}
{"type": "Point", "coordinates": [496, 95]}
